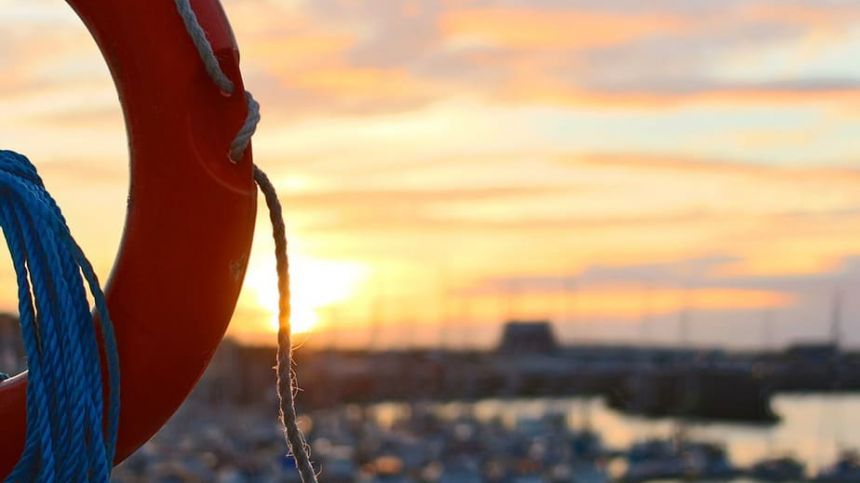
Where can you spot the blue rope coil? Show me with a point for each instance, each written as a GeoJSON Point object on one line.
{"type": "Point", "coordinates": [70, 436]}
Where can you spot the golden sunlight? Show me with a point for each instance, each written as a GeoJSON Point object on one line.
{"type": "Point", "coordinates": [317, 284]}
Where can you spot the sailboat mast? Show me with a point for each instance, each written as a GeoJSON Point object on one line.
{"type": "Point", "coordinates": [836, 318]}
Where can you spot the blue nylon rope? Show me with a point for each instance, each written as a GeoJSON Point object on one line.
{"type": "Point", "coordinates": [69, 435]}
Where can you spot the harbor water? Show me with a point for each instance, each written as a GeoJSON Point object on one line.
{"type": "Point", "coordinates": [812, 428]}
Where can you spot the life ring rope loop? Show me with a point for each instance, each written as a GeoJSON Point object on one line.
{"type": "Point", "coordinates": [204, 48]}
{"type": "Point", "coordinates": [219, 78]}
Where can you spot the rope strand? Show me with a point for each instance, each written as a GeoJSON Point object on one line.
{"type": "Point", "coordinates": [243, 137]}
{"type": "Point", "coordinates": [204, 48]}
{"type": "Point", "coordinates": [286, 384]}
{"type": "Point", "coordinates": [286, 378]}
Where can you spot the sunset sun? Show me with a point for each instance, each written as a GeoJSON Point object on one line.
{"type": "Point", "coordinates": [316, 285]}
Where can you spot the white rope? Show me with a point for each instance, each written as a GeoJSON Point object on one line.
{"type": "Point", "coordinates": [286, 383]}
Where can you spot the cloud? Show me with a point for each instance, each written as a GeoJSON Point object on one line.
{"type": "Point", "coordinates": [367, 58]}
{"type": "Point", "coordinates": [605, 191]}
{"type": "Point", "coordinates": [673, 163]}
{"type": "Point", "coordinates": [632, 302]}
{"type": "Point", "coordinates": [687, 272]}
{"type": "Point", "coordinates": [551, 29]}
{"type": "Point", "coordinates": [576, 53]}
{"type": "Point", "coordinates": [382, 198]}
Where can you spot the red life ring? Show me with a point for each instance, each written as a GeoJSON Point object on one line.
{"type": "Point", "coordinates": [190, 218]}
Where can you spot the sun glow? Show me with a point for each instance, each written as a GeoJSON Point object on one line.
{"type": "Point", "coordinates": [315, 284]}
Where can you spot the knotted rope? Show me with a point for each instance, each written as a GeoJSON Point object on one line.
{"type": "Point", "coordinates": [67, 438]}
{"type": "Point", "coordinates": [286, 384]}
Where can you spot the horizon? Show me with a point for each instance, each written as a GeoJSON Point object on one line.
{"type": "Point", "coordinates": [687, 171]}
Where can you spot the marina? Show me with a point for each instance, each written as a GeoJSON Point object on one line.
{"type": "Point", "coordinates": [519, 440]}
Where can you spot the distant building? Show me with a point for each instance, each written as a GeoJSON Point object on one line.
{"type": "Point", "coordinates": [528, 337]}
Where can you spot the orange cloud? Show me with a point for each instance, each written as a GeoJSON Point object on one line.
{"type": "Point", "coordinates": [354, 81]}
{"type": "Point", "coordinates": [539, 88]}
{"type": "Point", "coordinates": [546, 29]}
{"type": "Point", "coordinates": [529, 55]}
{"type": "Point", "coordinates": [304, 48]}
{"type": "Point", "coordinates": [810, 245]}
{"type": "Point", "coordinates": [389, 197]}
{"type": "Point", "coordinates": [806, 15]}
{"type": "Point", "coordinates": [632, 303]}
{"type": "Point", "coordinates": [713, 167]}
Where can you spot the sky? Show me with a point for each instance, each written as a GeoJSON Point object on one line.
{"type": "Point", "coordinates": [662, 172]}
